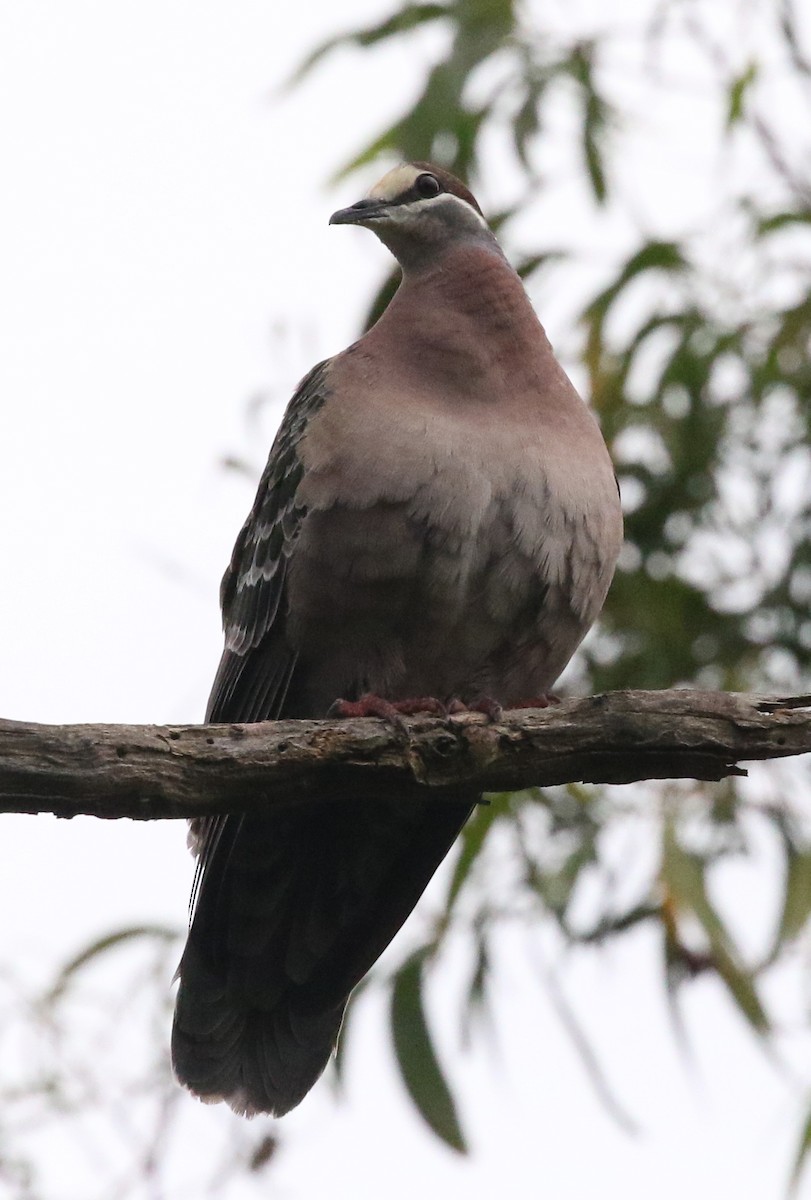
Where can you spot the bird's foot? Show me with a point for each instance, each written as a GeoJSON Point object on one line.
{"type": "Point", "coordinates": [547, 700]}
{"type": "Point", "coordinates": [482, 704]}
{"type": "Point", "coordinates": [392, 711]}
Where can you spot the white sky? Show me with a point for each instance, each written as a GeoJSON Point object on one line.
{"type": "Point", "coordinates": [165, 257]}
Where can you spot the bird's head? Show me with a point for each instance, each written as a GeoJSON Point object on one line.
{"type": "Point", "coordinates": [418, 210]}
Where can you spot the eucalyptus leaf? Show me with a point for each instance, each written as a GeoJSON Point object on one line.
{"type": "Point", "coordinates": [417, 1059]}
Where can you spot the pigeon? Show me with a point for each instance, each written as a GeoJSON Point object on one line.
{"type": "Point", "coordinates": [437, 526]}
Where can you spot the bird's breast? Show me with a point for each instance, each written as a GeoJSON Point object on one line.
{"type": "Point", "coordinates": [435, 531]}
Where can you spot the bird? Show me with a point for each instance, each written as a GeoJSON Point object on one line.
{"type": "Point", "coordinates": [438, 523]}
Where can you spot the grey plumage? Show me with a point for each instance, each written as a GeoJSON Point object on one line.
{"type": "Point", "coordinates": [438, 516]}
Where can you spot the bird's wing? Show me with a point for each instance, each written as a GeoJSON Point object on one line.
{"type": "Point", "coordinates": [258, 662]}
{"type": "Point", "coordinates": [291, 908]}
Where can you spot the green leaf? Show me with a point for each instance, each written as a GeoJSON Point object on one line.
{"type": "Point", "coordinates": [386, 141]}
{"type": "Point", "coordinates": [593, 156]}
{"type": "Point", "coordinates": [595, 117]}
{"type": "Point", "coordinates": [684, 876]}
{"type": "Point", "coordinates": [607, 926]}
{"type": "Point", "coordinates": [736, 96]}
{"type": "Point", "coordinates": [470, 842]}
{"type": "Point", "coordinates": [530, 263]}
{"type": "Point", "coordinates": [417, 1059]}
{"type": "Point", "coordinates": [587, 1055]}
{"type": "Point", "coordinates": [488, 21]}
{"type": "Point", "coordinates": [742, 989]}
{"type": "Point", "coordinates": [402, 21]}
{"type": "Point", "coordinates": [440, 125]}
{"type": "Point", "coordinates": [526, 122]}
{"type": "Point", "coordinates": [110, 941]}
{"type": "Point", "coordinates": [803, 1151]}
{"type": "Point", "coordinates": [781, 220]}
{"type": "Point", "coordinates": [653, 256]}
{"type": "Point", "coordinates": [476, 1005]}
{"type": "Point", "coordinates": [797, 897]}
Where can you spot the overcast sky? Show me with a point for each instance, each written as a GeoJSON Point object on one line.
{"type": "Point", "coordinates": [165, 259]}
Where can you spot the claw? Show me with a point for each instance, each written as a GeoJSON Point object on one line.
{"type": "Point", "coordinates": [369, 705]}
{"type": "Point", "coordinates": [483, 704]}
{"type": "Point", "coordinates": [490, 707]}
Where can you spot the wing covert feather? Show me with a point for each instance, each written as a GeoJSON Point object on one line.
{"type": "Point", "coordinates": [258, 663]}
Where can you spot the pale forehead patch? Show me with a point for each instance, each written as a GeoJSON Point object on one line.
{"type": "Point", "coordinates": [395, 182]}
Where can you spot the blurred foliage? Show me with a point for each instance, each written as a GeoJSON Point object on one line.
{"type": "Point", "coordinates": [693, 341]}
{"type": "Point", "coordinates": [88, 1104]}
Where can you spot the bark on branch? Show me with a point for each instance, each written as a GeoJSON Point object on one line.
{"type": "Point", "coordinates": [152, 771]}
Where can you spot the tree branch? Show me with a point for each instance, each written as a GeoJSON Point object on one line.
{"type": "Point", "coordinates": [151, 771]}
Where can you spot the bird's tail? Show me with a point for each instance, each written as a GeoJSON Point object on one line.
{"type": "Point", "coordinates": [291, 912]}
{"type": "Point", "coordinates": [256, 1060]}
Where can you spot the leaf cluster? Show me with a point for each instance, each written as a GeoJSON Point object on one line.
{"type": "Point", "coordinates": [695, 347]}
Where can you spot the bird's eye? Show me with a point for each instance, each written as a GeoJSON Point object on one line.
{"type": "Point", "coordinates": [427, 186]}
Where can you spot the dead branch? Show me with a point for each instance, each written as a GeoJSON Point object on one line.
{"type": "Point", "coordinates": [148, 772]}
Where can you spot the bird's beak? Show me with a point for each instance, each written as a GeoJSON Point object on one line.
{"type": "Point", "coordinates": [360, 213]}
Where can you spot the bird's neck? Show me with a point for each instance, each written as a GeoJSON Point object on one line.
{"type": "Point", "coordinates": [465, 317]}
